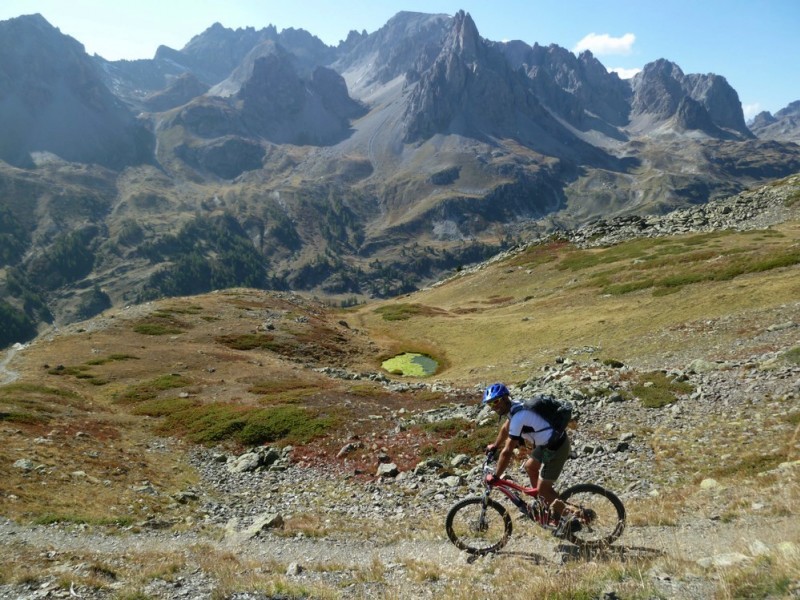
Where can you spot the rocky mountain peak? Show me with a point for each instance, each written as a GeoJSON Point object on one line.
{"type": "Point", "coordinates": [408, 43]}
{"type": "Point", "coordinates": [217, 51]}
{"type": "Point", "coordinates": [572, 87]}
{"type": "Point", "coordinates": [179, 91]}
{"type": "Point", "coordinates": [784, 125]}
{"type": "Point", "coordinates": [762, 119]}
{"type": "Point", "coordinates": [660, 89]}
{"type": "Point", "coordinates": [274, 88]}
{"type": "Point", "coordinates": [657, 89]}
{"type": "Point", "coordinates": [53, 98]}
{"type": "Point", "coordinates": [690, 115]}
{"type": "Point", "coordinates": [464, 37]}
{"type": "Point", "coordinates": [793, 109]}
{"type": "Point", "coordinates": [719, 99]}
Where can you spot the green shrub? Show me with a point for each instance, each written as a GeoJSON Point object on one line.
{"type": "Point", "coordinates": [289, 423]}
{"type": "Point", "coordinates": [617, 289]}
{"type": "Point", "coordinates": [35, 389]}
{"type": "Point", "coordinates": [655, 389]}
{"type": "Point", "coordinates": [249, 341]}
{"type": "Point", "coordinates": [792, 356]}
{"type": "Point", "coordinates": [793, 198]}
{"type": "Point", "coordinates": [111, 358]}
{"type": "Point", "coordinates": [156, 329]}
{"type": "Point", "coordinates": [150, 389]}
{"type": "Point", "coordinates": [399, 312]}
{"type": "Point", "coordinates": [20, 417]}
{"type": "Point", "coordinates": [218, 422]}
{"type": "Point", "coordinates": [162, 407]}
{"type": "Point", "coordinates": [613, 363]}
{"type": "Point", "coordinates": [469, 439]}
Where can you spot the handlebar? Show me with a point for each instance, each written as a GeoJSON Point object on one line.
{"type": "Point", "coordinates": [488, 470]}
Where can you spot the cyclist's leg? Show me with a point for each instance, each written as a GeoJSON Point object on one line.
{"type": "Point", "coordinates": [553, 462]}
{"type": "Point", "coordinates": [532, 467]}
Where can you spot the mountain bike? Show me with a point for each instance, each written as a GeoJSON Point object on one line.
{"type": "Point", "coordinates": [593, 517]}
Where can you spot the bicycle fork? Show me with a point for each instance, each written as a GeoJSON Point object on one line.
{"type": "Point", "coordinates": [482, 524]}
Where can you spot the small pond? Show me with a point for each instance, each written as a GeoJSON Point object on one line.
{"type": "Point", "coordinates": [411, 364]}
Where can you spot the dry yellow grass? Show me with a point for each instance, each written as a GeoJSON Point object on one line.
{"type": "Point", "coordinates": [500, 323]}
{"type": "Point", "coordinates": [548, 311]}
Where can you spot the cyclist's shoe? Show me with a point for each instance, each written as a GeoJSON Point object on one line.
{"type": "Point", "coordinates": [567, 525]}
{"type": "Point", "coordinates": [588, 515]}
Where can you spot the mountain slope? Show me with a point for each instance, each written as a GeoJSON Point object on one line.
{"type": "Point", "coordinates": [363, 170]}
{"type": "Point", "coordinates": [203, 444]}
{"type": "Point", "coordinates": [784, 126]}
{"type": "Point", "coordinates": [52, 99]}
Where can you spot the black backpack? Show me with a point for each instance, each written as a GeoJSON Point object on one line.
{"type": "Point", "coordinates": [558, 414]}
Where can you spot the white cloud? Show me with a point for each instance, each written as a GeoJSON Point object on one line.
{"type": "Point", "coordinates": [625, 73]}
{"type": "Point", "coordinates": [751, 110]}
{"type": "Point", "coordinates": [602, 43]}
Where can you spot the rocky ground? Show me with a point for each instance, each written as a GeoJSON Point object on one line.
{"type": "Point", "coordinates": [378, 531]}
{"type": "Point", "coordinates": [396, 519]}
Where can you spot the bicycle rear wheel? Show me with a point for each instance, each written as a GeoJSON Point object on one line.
{"type": "Point", "coordinates": [478, 528]}
{"type": "Point", "coordinates": [597, 516]}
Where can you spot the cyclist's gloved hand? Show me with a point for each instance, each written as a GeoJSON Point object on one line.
{"type": "Point", "coordinates": [490, 448]}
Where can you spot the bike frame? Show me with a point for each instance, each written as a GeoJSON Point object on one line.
{"type": "Point", "coordinates": [512, 490]}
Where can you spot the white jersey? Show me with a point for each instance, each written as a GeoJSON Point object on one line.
{"type": "Point", "coordinates": [526, 425]}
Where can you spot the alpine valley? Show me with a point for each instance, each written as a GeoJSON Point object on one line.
{"type": "Point", "coordinates": [270, 160]}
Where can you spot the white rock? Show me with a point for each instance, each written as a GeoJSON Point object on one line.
{"type": "Point", "coordinates": [730, 559]}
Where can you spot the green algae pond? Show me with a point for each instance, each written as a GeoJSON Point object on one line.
{"type": "Point", "coordinates": [411, 364]}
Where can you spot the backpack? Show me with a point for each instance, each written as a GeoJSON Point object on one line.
{"type": "Point", "coordinates": [558, 414]}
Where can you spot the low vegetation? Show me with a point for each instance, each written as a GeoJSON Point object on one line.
{"type": "Point", "coordinates": [402, 312]}
{"type": "Point", "coordinates": [249, 341]}
{"type": "Point", "coordinates": [667, 264]}
{"type": "Point", "coordinates": [224, 380]}
{"type": "Point", "coordinates": [220, 422]}
{"type": "Point", "coordinates": [655, 389]}
{"type": "Point", "coordinates": [451, 437]}
{"type": "Point", "coordinates": [34, 404]}
{"type": "Point", "coordinates": [148, 390]}
{"type": "Point", "coordinates": [208, 253]}
{"type": "Point", "coordinates": [160, 324]}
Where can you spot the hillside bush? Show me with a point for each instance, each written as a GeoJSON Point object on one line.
{"type": "Point", "coordinates": [68, 259]}
{"type": "Point", "coordinates": [655, 389]}
{"type": "Point", "coordinates": [17, 325]}
{"type": "Point", "coordinates": [793, 355]}
{"type": "Point", "coordinates": [219, 422]}
{"type": "Point", "coordinates": [148, 390]}
{"type": "Point", "coordinates": [209, 253]}
{"type": "Point", "coordinates": [14, 239]}
{"type": "Point", "coordinates": [93, 303]}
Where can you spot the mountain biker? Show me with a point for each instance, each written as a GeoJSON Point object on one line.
{"type": "Point", "coordinates": [547, 458]}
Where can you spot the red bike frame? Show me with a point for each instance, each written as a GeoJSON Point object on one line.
{"type": "Point", "coordinates": [512, 490]}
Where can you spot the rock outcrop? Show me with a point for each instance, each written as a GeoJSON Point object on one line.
{"type": "Point", "coordinates": [783, 126]}
{"type": "Point", "coordinates": [181, 90]}
{"type": "Point", "coordinates": [661, 89]}
{"type": "Point", "coordinates": [53, 99]}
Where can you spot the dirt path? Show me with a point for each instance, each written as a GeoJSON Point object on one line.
{"type": "Point", "coordinates": [686, 541]}
{"type": "Point", "coordinates": [6, 375]}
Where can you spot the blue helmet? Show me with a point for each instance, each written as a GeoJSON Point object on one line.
{"type": "Point", "coordinates": [493, 392]}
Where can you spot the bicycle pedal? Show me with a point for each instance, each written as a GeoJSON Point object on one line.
{"type": "Point", "coordinates": [567, 525]}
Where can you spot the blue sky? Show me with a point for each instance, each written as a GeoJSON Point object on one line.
{"type": "Point", "coordinates": [751, 43]}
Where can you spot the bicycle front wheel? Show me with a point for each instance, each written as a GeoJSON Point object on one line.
{"type": "Point", "coordinates": [597, 515]}
{"type": "Point", "coordinates": [478, 526]}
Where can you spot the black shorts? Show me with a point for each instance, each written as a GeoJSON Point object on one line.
{"type": "Point", "coordinates": [553, 461]}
